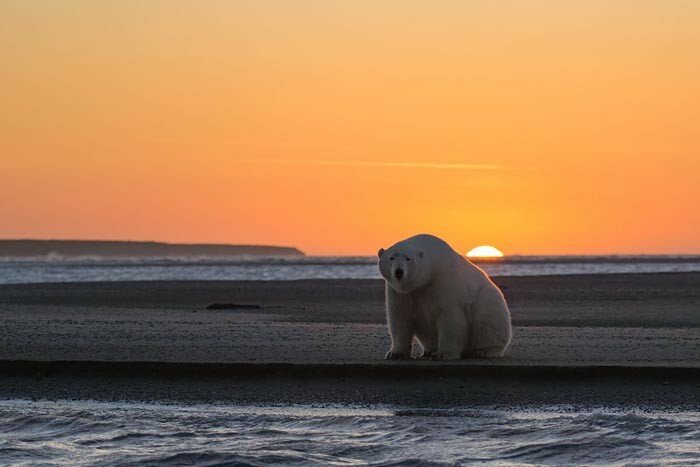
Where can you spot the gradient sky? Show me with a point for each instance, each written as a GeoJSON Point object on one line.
{"type": "Point", "coordinates": [540, 127]}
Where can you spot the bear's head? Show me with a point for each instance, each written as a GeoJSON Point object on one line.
{"type": "Point", "coordinates": [403, 268]}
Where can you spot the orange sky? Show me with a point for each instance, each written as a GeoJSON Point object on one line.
{"type": "Point", "coordinates": [541, 127]}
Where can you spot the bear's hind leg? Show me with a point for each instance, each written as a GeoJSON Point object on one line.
{"type": "Point", "coordinates": [491, 329]}
{"type": "Point", "coordinates": [452, 335]}
{"type": "Point", "coordinates": [428, 343]}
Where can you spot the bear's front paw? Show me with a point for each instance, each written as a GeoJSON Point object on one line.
{"type": "Point", "coordinates": [394, 355]}
{"type": "Point", "coordinates": [443, 356]}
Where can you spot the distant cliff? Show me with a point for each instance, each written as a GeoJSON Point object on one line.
{"type": "Point", "coordinates": [135, 249]}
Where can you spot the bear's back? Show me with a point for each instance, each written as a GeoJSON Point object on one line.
{"type": "Point", "coordinates": [446, 259]}
{"type": "Point", "coordinates": [428, 243]}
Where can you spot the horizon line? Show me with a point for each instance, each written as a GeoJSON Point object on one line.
{"type": "Point", "coordinates": [369, 255]}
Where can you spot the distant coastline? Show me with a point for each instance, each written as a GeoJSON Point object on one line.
{"type": "Point", "coordinates": [31, 248]}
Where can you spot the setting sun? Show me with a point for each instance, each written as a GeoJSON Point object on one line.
{"type": "Point", "coordinates": [485, 251]}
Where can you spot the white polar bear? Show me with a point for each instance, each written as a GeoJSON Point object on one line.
{"type": "Point", "coordinates": [437, 296]}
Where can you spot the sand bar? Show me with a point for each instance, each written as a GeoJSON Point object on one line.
{"type": "Point", "coordinates": [309, 338]}
{"type": "Point", "coordinates": [643, 320]}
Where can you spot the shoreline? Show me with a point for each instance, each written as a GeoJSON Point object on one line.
{"type": "Point", "coordinates": [415, 369]}
{"type": "Point", "coordinates": [401, 386]}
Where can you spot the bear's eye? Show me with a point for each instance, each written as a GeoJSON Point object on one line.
{"type": "Point", "coordinates": [391, 258]}
{"type": "Point", "coordinates": [408, 259]}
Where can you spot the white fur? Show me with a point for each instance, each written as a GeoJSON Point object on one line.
{"type": "Point", "coordinates": [448, 304]}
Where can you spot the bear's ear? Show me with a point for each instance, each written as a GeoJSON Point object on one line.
{"type": "Point", "coordinates": [420, 254]}
{"type": "Point", "coordinates": [380, 252]}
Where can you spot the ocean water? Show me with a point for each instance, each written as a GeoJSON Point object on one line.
{"type": "Point", "coordinates": [97, 433]}
{"type": "Point", "coordinates": [57, 269]}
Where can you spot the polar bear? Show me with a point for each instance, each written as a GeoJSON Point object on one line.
{"type": "Point", "coordinates": [448, 304]}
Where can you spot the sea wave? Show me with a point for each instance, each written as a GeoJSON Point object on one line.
{"type": "Point", "coordinates": [88, 269]}
{"type": "Point", "coordinates": [89, 433]}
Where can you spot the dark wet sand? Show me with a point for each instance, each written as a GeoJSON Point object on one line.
{"type": "Point", "coordinates": [649, 321]}
{"type": "Point", "coordinates": [322, 386]}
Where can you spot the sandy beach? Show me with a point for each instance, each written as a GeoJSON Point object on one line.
{"type": "Point", "coordinates": [586, 338]}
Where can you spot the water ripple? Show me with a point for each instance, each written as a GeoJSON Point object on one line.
{"type": "Point", "coordinates": [92, 433]}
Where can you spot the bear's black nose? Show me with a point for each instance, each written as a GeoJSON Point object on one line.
{"type": "Point", "coordinates": [398, 274]}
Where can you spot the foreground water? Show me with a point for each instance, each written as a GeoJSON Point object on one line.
{"type": "Point", "coordinates": [90, 433]}
{"type": "Point", "coordinates": [58, 269]}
